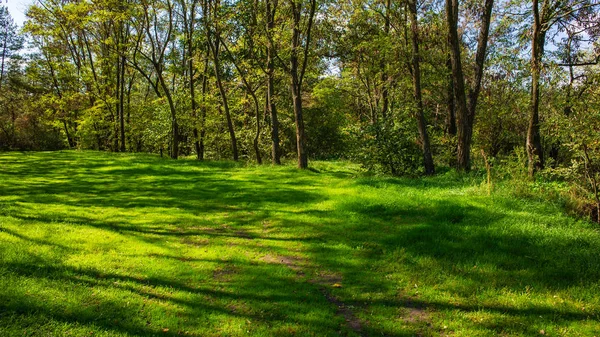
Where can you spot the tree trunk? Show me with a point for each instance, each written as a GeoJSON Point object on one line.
{"type": "Point", "coordinates": [217, 65]}
{"type": "Point", "coordinates": [534, 143]}
{"type": "Point", "coordinates": [203, 111]}
{"type": "Point", "coordinates": [69, 139]}
{"type": "Point", "coordinates": [4, 47]}
{"type": "Point", "coordinates": [450, 103]}
{"type": "Point", "coordinates": [297, 100]}
{"type": "Point", "coordinates": [257, 134]}
{"type": "Point", "coordinates": [416, 76]}
{"type": "Point", "coordinates": [188, 22]}
{"type": "Point", "coordinates": [385, 100]}
{"type": "Point", "coordinates": [122, 99]}
{"type": "Point", "coordinates": [297, 73]}
{"type": "Point", "coordinates": [300, 137]}
{"type": "Point", "coordinates": [463, 148]}
{"type": "Point", "coordinates": [275, 152]}
{"type": "Point", "coordinates": [465, 114]}
{"type": "Point", "coordinates": [174, 151]}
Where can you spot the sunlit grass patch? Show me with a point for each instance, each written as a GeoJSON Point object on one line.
{"type": "Point", "coordinates": [136, 245]}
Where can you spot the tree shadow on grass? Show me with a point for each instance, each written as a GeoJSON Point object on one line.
{"type": "Point", "coordinates": [365, 241]}
{"type": "Point", "coordinates": [248, 296]}
{"type": "Point", "coordinates": [459, 249]}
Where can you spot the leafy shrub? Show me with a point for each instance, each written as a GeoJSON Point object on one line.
{"type": "Point", "coordinates": [390, 148]}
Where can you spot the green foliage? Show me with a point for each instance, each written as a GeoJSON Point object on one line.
{"type": "Point", "coordinates": [390, 148]}
{"type": "Point", "coordinates": [326, 121]}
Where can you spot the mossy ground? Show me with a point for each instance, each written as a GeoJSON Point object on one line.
{"type": "Point", "coordinates": [134, 245]}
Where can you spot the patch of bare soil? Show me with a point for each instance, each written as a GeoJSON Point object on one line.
{"type": "Point", "coordinates": [325, 280]}
{"type": "Point", "coordinates": [224, 274]}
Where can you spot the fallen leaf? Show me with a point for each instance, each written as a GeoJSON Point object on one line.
{"type": "Point", "coordinates": [337, 285]}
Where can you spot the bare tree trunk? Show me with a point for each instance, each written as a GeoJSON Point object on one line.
{"type": "Point", "coordinates": [217, 65]}
{"type": "Point", "coordinates": [252, 93]}
{"type": "Point", "coordinates": [4, 47]}
{"type": "Point", "coordinates": [189, 24]}
{"type": "Point", "coordinates": [271, 7]}
{"type": "Point", "coordinates": [121, 86]}
{"type": "Point", "coordinates": [203, 110]}
{"type": "Point", "coordinates": [385, 100]}
{"type": "Point", "coordinates": [297, 74]}
{"type": "Point", "coordinates": [465, 113]}
{"type": "Point", "coordinates": [300, 136]}
{"type": "Point", "coordinates": [174, 151]}
{"type": "Point", "coordinates": [459, 84]}
{"type": "Point", "coordinates": [450, 103]}
{"type": "Point", "coordinates": [416, 76]}
{"type": "Point", "coordinates": [534, 143]}
{"type": "Point", "coordinates": [69, 139]}
{"type": "Point", "coordinates": [214, 45]}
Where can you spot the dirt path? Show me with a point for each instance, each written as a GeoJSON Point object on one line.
{"type": "Point", "coordinates": [325, 281]}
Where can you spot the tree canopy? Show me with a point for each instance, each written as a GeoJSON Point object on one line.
{"type": "Point", "coordinates": [401, 87]}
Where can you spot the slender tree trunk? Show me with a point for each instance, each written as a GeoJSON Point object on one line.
{"type": "Point", "coordinates": [459, 85]}
{"type": "Point", "coordinates": [121, 90]}
{"type": "Point", "coordinates": [214, 45]}
{"type": "Point", "coordinates": [4, 48]}
{"type": "Point", "coordinates": [257, 134]}
{"type": "Point", "coordinates": [275, 152]}
{"type": "Point", "coordinates": [203, 110]}
{"type": "Point", "coordinates": [450, 103]}
{"type": "Point", "coordinates": [189, 23]}
{"type": "Point", "coordinates": [118, 112]}
{"type": "Point", "coordinates": [174, 150]}
{"type": "Point", "coordinates": [217, 65]}
{"type": "Point", "coordinates": [534, 143]}
{"type": "Point", "coordinates": [69, 139]}
{"type": "Point", "coordinates": [128, 120]}
{"type": "Point", "coordinates": [465, 113]}
{"type": "Point", "coordinates": [384, 75]}
{"type": "Point", "coordinates": [300, 136]}
{"type": "Point", "coordinates": [416, 76]}
{"type": "Point", "coordinates": [297, 74]}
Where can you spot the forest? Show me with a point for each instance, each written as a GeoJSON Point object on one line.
{"type": "Point", "coordinates": [300, 168]}
{"type": "Point", "coordinates": [401, 87]}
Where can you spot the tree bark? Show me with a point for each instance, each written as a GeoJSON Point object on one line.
{"type": "Point", "coordinates": [465, 111]}
{"type": "Point", "coordinates": [4, 48]}
{"type": "Point", "coordinates": [450, 103]}
{"type": "Point", "coordinates": [416, 76]}
{"type": "Point", "coordinates": [188, 22]}
{"type": "Point", "coordinates": [121, 86]}
{"type": "Point", "coordinates": [534, 143]}
{"type": "Point", "coordinates": [217, 66]}
{"type": "Point", "coordinates": [271, 7]}
{"type": "Point", "coordinates": [385, 100]}
{"type": "Point", "coordinates": [203, 109]}
{"type": "Point", "coordinates": [297, 73]}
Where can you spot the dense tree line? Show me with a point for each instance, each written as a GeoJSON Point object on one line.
{"type": "Point", "coordinates": [400, 86]}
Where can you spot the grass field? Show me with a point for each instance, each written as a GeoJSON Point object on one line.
{"type": "Point", "coordinates": [96, 244]}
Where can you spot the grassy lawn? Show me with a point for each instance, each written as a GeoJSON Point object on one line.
{"type": "Point", "coordinates": [96, 244]}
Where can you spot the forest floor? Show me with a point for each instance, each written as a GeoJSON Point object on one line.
{"type": "Point", "coordinates": [99, 244]}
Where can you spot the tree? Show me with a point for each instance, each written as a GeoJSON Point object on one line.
{"type": "Point", "coordinates": [466, 107]}
{"type": "Point", "coordinates": [10, 41]}
{"type": "Point", "coordinates": [270, 12]}
{"type": "Point", "coordinates": [298, 61]}
{"type": "Point", "coordinates": [154, 29]}
{"type": "Point", "coordinates": [416, 76]}
{"type": "Point", "coordinates": [544, 18]}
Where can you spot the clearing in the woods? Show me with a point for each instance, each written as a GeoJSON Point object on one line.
{"type": "Point", "coordinates": [134, 245]}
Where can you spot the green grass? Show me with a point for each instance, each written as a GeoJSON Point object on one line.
{"type": "Point", "coordinates": [96, 244]}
